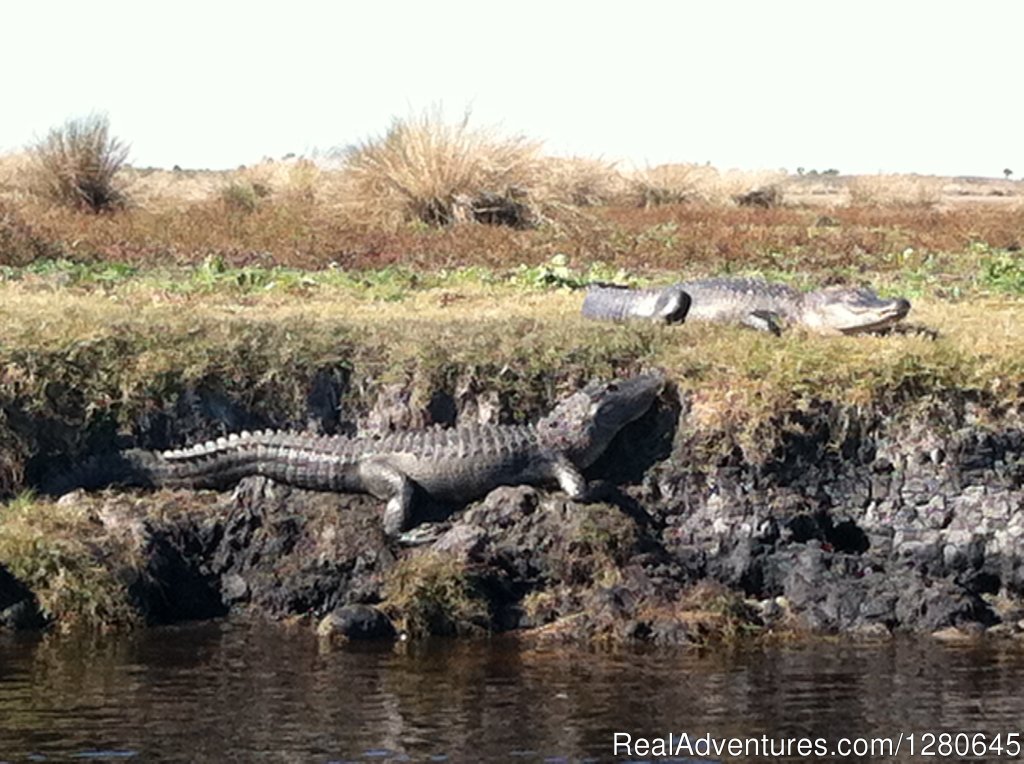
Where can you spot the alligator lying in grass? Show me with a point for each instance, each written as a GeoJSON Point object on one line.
{"type": "Point", "coordinates": [454, 465]}
{"type": "Point", "coordinates": [758, 304]}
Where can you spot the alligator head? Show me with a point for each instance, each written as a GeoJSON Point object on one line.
{"type": "Point", "coordinates": [851, 310]}
{"type": "Point", "coordinates": [582, 425]}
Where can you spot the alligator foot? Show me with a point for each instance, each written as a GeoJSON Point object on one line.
{"type": "Point", "coordinates": [764, 321]}
{"type": "Point", "coordinates": [252, 490]}
{"type": "Point", "coordinates": [918, 330]}
{"type": "Point", "coordinates": [425, 533]}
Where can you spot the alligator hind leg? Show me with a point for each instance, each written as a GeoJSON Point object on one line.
{"type": "Point", "coordinates": [672, 305]}
{"type": "Point", "coordinates": [389, 484]}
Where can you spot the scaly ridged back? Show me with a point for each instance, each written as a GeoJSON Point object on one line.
{"type": "Point", "coordinates": [732, 299]}
{"type": "Point", "coordinates": [448, 463]}
{"type": "Point", "coordinates": [436, 443]}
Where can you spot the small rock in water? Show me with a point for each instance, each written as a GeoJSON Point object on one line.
{"type": "Point", "coordinates": [356, 622]}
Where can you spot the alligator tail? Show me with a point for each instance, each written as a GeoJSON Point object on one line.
{"type": "Point", "coordinates": [135, 467]}
{"type": "Point", "coordinates": [319, 464]}
{"type": "Point", "coordinates": [668, 304]}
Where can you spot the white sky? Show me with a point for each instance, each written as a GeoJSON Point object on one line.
{"type": "Point", "coordinates": [859, 85]}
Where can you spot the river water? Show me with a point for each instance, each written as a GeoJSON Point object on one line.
{"type": "Point", "coordinates": [231, 691]}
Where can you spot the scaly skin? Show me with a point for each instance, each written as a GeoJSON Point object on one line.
{"type": "Point", "coordinates": [455, 465]}
{"type": "Point", "coordinates": [764, 306]}
{"type": "Point", "coordinates": [616, 303]}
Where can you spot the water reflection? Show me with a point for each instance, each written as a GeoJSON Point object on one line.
{"type": "Point", "coordinates": [235, 691]}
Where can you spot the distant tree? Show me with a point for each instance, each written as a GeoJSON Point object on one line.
{"type": "Point", "coordinates": [800, 170]}
{"type": "Point", "coordinates": [1007, 172]}
{"type": "Point", "coordinates": [831, 171]}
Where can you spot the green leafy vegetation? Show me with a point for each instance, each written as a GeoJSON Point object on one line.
{"type": "Point", "coordinates": [1002, 271]}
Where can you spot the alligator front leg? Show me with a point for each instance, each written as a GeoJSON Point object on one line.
{"type": "Point", "coordinates": [570, 479]}
{"type": "Point", "coordinates": [764, 321]}
{"type": "Point", "coordinates": [386, 482]}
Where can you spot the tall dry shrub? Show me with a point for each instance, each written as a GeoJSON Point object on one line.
{"type": "Point", "coordinates": [423, 169]}
{"type": "Point", "coordinates": [77, 164]}
{"type": "Point", "coordinates": [580, 181]}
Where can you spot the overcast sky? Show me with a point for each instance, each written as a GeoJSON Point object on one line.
{"type": "Point", "coordinates": [861, 86]}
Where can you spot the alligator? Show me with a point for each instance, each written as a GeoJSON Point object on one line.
{"type": "Point", "coordinates": [454, 465]}
{"type": "Point", "coordinates": [759, 304]}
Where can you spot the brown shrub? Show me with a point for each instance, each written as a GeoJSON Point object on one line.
{"type": "Point", "coordinates": [895, 190]}
{"type": "Point", "coordinates": [680, 183]}
{"type": "Point", "coordinates": [20, 243]}
{"type": "Point", "coordinates": [77, 165]}
{"type": "Point", "coordinates": [425, 170]}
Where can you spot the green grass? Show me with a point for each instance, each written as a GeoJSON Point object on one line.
{"type": "Point", "coordinates": [979, 271]}
{"type": "Point", "coordinates": [433, 593]}
{"type": "Point", "coordinates": [78, 568]}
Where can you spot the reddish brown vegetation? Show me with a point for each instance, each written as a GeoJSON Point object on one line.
{"type": "Point", "coordinates": [692, 237]}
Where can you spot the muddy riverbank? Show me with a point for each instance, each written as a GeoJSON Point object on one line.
{"type": "Point", "coordinates": [861, 520]}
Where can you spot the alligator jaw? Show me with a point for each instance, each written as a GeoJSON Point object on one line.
{"type": "Point", "coordinates": [878, 319]}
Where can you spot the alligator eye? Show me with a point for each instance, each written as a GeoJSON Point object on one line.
{"type": "Point", "coordinates": [612, 387]}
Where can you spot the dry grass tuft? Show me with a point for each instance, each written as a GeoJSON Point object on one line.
{"type": "Point", "coordinates": [155, 189]}
{"type": "Point", "coordinates": [913, 191]}
{"type": "Point", "coordinates": [77, 164]}
{"type": "Point", "coordinates": [428, 171]}
{"type": "Point", "coordinates": [580, 181]}
{"type": "Point", "coordinates": [672, 184]}
{"type": "Point", "coordinates": [680, 183]}
{"type": "Point", "coordinates": [14, 175]}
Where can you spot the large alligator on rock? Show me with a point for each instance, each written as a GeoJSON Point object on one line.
{"type": "Point", "coordinates": [755, 303]}
{"type": "Point", "coordinates": [451, 465]}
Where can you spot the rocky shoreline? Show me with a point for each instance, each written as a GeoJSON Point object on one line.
{"type": "Point", "coordinates": [853, 520]}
